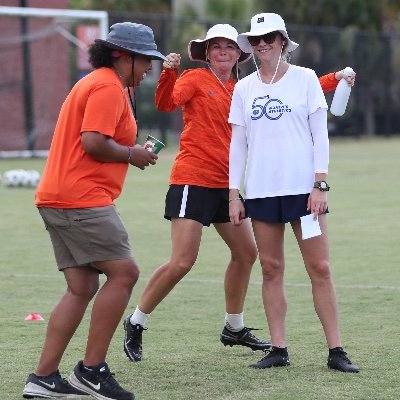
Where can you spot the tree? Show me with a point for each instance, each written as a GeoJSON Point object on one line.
{"type": "Point", "coordinates": [359, 37]}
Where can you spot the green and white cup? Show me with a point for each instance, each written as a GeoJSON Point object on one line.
{"type": "Point", "coordinates": [153, 145]}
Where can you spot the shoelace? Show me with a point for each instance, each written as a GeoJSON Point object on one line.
{"type": "Point", "coordinates": [248, 333]}
{"type": "Point", "coordinates": [110, 381]}
{"type": "Point", "coordinates": [266, 352]}
{"type": "Point", "coordinates": [343, 356]}
{"type": "Point", "coordinates": [138, 335]}
{"type": "Point", "coordinates": [248, 330]}
{"type": "Point", "coordinates": [271, 350]}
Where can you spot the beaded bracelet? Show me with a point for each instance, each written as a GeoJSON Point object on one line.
{"type": "Point", "coordinates": [129, 153]}
{"type": "Point", "coordinates": [235, 198]}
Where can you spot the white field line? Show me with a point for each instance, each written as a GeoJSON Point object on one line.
{"type": "Point", "coordinates": [212, 281]}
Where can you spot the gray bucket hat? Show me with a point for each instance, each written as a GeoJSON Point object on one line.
{"type": "Point", "coordinates": [133, 38]}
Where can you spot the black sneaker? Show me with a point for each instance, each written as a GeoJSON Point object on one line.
{"type": "Point", "coordinates": [243, 338]}
{"type": "Point", "coordinates": [98, 382]}
{"type": "Point", "coordinates": [338, 360]}
{"type": "Point", "coordinates": [277, 357]}
{"type": "Point", "coordinates": [50, 386]}
{"type": "Point", "coordinates": [133, 340]}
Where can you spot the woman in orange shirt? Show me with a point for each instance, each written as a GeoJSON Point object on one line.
{"type": "Point", "coordinates": [198, 193]}
{"type": "Point", "coordinates": [92, 147]}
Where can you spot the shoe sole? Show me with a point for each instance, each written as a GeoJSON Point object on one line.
{"type": "Point", "coordinates": [231, 342]}
{"type": "Point", "coordinates": [343, 370]}
{"type": "Point", "coordinates": [255, 366]}
{"type": "Point", "coordinates": [126, 350]}
{"type": "Point", "coordinates": [32, 391]}
{"type": "Point", "coordinates": [77, 384]}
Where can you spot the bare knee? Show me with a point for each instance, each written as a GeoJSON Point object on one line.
{"type": "Point", "coordinates": [245, 257]}
{"type": "Point", "coordinates": [272, 268]}
{"type": "Point", "coordinates": [86, 291]}
{"type": "Point", "coordinates": [249, 257]}
{"type": "Point", "coordinates": [134, 274]}
{"type": "Point", "coordinates": [181, 267]}
{"type": "Point", "coordinates": [319, 271]}
{"type": "Point", "coordinates": [123, 273]}
{"type": "Point", "coordinates": [130, 273]}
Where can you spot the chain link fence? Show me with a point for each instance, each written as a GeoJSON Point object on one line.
{"type": "Point", "coordinates": [375, 98]}
{"type": "Point", "coordinates": [372, 109]}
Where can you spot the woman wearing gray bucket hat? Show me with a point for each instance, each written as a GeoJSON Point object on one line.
{"type": "Point", "coordinates": [279, 134]}
{"type": "Point", "coordinates": [92, 147]}
{"type": "Point", "coordinates": [198, 193]}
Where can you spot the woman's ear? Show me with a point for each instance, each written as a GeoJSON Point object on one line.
{"type": "Point", "coordinates": [128, 58]}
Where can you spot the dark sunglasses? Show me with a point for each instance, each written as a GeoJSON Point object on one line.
{"type": "Point", "coordinates": [268, 38]}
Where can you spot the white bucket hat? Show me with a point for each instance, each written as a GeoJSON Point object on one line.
{"type": "Point", "coordinates": [197, 47]}
{"type": "Point", "coordinates": [262, 24]}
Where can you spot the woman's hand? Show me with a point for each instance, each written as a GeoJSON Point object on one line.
{"type": "Point", "coordinates": [236, 211]}
{"type": "Point", "coordinates": [141, 157]}
{"type": "Point", "coordinates": [349, 79]}
{"type": "Point", "coordinates": [173, 61]}
{"type": "Point", "coordinates": [317, 202]}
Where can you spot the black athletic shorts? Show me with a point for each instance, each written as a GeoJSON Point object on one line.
{"type": "Point", "coordinates": [278, 209]}
{"type": "Point", "coordinates": [205, 205]}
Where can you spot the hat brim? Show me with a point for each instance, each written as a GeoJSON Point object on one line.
{"type": "Point", "coordinates": [154, 54]}
{"type": "Point", "coordinates": [246, 47]}
{"type": "Point", "coordinates": [197, 50]}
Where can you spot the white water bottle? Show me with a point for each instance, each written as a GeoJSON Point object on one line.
{"type": "Point", "coordinates": [342, 94]}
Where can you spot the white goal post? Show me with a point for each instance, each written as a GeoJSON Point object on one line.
{"type": "Point", "coordinates": [101, 16]}
{"type": "Point", "coordinates": [43, 52]}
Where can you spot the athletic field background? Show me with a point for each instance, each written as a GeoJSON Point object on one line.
{"type": "Point", "coordinates": [183, 356]}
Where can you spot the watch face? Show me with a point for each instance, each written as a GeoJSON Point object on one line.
{"type": "Point", "coordinates": [323, 185]}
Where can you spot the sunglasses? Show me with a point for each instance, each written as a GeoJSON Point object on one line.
{"type": "Point", "coordinates": [268, 38]}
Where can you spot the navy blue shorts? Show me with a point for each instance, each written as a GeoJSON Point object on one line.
{"type": "Point", "coordinates": [205, 205]}
{"type": "Point", "coordinates": [280, 209]}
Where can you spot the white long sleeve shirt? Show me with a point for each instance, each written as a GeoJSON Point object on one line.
{"type": "Point", "coordinates": [279, 134]}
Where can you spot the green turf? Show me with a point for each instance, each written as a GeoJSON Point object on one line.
{"type": "Point", "coordinates": [184, 358]}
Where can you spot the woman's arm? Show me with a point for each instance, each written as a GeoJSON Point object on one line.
{"type": "Point", "coordinates": [237, 163]}
{"type": "Point", "coordinates": [330, 81]}
{"type": "Point", "coordinates": [105, 149]}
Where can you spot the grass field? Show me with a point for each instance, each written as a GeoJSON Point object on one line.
{"type": "Point", "coordinates": [184, 358]}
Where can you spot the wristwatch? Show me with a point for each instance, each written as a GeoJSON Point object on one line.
{"type": "Point", "coordinates": [322, 186]}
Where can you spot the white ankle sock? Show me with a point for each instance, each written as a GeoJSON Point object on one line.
{"type": "Point", "coordinates": [234, 322]}
{"type": "Point", "coordinates": [139, 317]}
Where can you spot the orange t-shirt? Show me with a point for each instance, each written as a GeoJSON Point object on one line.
{"type": "Point", "coordinates": [71, 178]}
{"type": "Point", "coordinates": [204, 144]}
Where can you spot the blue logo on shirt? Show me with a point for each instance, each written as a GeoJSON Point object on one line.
{"type": "Point", "coordinates": [271, 108]}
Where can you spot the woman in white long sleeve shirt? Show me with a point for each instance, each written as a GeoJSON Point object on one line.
{"type": "Point", "coordinates": [279, 121]}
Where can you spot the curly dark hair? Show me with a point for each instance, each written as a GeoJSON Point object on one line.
{"type": "Point", "coordinates": [100, 56]}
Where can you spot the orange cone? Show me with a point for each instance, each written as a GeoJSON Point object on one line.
{"type": "Point", "coordinates": [34, 317]}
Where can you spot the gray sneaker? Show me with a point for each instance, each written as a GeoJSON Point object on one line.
{"type": "Point", "coordinates": [50, 386]}
{"type": "Point", "coordinates": [98, 382]}
{"type": "Point", "coordinates": [133, 340]}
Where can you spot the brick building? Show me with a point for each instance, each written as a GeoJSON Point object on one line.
{"type": "Point", "coordinates": [35, 62]}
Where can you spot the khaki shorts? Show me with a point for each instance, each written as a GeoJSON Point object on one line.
{"type": "Point", "coordinates": [82, 236]}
